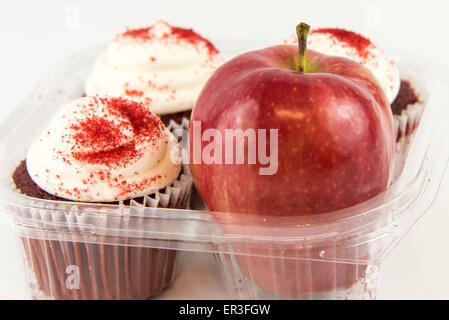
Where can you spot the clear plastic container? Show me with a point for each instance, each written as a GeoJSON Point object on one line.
{"type": "Point", "coordinates": [117, 250]}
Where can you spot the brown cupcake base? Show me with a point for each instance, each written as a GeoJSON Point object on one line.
{"type": "Point", "coordinates": [177, 117]}
{"type": "Point", "coordinates": [407, 110]}
{"type": "Point", "coordinates": [69, 270]}
{"type": "Point", "coordinates": [80, 271]}
{"type": "Point", "coordinates": [406, 96]}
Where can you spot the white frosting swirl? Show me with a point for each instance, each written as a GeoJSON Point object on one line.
{"type": "Point", "coordinates": [163, 66]}
{"type": "Point", "coordinates": [103, 150]}
{"type": "Point", "coordinates": [382, 67]}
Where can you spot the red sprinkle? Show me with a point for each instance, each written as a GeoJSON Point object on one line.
{"type": "Point", "coordinates": [98, 133]}
{"type": "Point", "coordinates": [134, 93]}
{"type": "Point", "coordinates": [355, 40]}
{"type": "Point", "coordinates": [192, 37]}
{"type": "Point", "coordinates": [106, 138]}
{"type": "Point", "coordinates": [135, 187]}
{"type": "Point", "coordinates": [187, 35]}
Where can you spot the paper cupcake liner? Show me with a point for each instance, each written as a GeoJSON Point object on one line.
{"type": "Point", "coordinates": [405, 126]}
{"type": "Point", "coordinates": [70, 268]}
{"type": "Point", "coordinates": [407, 122]}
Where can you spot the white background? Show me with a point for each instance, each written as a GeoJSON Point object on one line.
{"type": "Point", "coordinates": [37, 34]}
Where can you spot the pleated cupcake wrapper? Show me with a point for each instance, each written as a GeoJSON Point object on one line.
{"type": "Point", "coordinates": [185, 123]}
{"type": "Point", "coordinates": [405, 126]}
{"type": "Point", "coordinates": [407, 122]}
{"type": "Point", "coordinates": [73, 268]}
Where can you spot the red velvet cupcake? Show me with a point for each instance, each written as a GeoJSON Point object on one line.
{"type": "Point", "coordinates": [105, 154]}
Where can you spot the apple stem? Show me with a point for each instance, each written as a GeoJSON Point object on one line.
{"type": "Point", "coordinates": [302, 30]}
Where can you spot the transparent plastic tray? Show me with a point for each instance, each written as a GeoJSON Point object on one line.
{"type": "Point", "coordinates": [119, 250]}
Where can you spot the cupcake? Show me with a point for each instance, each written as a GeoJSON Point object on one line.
{"type": "Point", "coordinates": [111, 152]}
{"type": "Point", "coordinates": [162, 66]}
{"type": "Point", "coordinates": [405, 103]}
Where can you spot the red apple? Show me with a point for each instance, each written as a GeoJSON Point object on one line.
{"type": "Point", "coordinates": [335, 140]}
